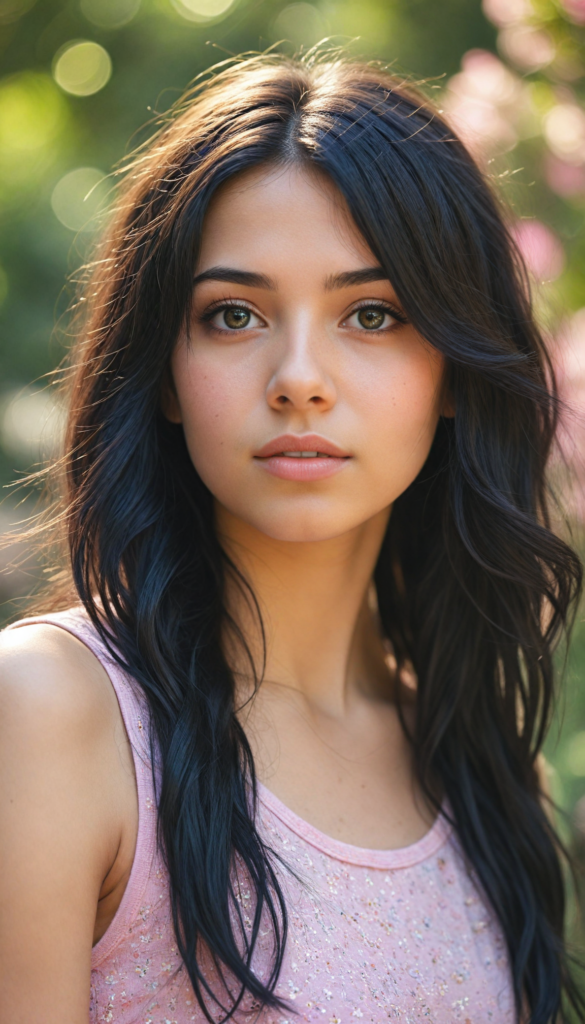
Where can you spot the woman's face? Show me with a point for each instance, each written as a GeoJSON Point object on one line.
{"type": "Point", "coordinates": [308, 402]}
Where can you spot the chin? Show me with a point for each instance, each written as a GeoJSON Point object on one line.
{"type": "Point", "coordinates": [299, 528]}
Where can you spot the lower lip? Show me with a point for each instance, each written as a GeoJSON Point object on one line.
{"type": "Point", "coordinates": [302, 469]}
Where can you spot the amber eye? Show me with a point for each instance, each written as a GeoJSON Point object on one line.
{"type": "Point", "coordinates": [371, 318]}
{"type": "Point", "coordinates": [236, 317]}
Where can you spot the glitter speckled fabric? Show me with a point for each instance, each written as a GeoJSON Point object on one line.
{"type": "Point", "coordinates": [375, 936]}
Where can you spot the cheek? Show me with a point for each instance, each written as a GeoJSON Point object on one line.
{"type": "Point", "coordinates": [386, 411]}
{"type": "Point", "coordinates": [401, 402]}
{"type": "Point", "coordinates": [214, 406]}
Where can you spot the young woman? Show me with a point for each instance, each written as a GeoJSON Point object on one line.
{"type": "Point", "coordinates": [277, 761]}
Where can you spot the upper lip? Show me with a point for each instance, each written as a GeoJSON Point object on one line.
{"type": "Point", "coordinates": [306, 443]}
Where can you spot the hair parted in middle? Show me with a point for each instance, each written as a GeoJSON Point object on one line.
{"type": "Point", "coordinates": [473, 587]}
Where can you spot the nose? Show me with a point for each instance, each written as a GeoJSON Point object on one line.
{"type": "Point", "coordinates": [300, 380]}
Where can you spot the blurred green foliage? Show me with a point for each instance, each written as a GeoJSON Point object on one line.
{"type": "Point", "coordinates": [81, 80]}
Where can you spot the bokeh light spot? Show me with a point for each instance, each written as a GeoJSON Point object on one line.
{"type": "Point", "coordinates": [33, 120]}
{"type": "Point", "coordinates": [301, 24]}
{"type": "Point", "coordinates": [202, 10]}
{"type": "Point", "coordinates": [31, 424]}
{"type": "Point", "coordinates": [575, 10]}
{"type": "Point", "coordinates": [564, 130]}
{"type": "Point", "coordinates": [541, 249]}
{"type": "Point", "coordinates": [82, 68]}
{"type": "Point", "coordinates": [506, 12]}
{"type": "Point", "coordinates": [30, 112]}
{"type": "Point", "coordinates": [79, 197]}
{"type": "Point", "coordinates": [110, 13]}
{"type": "Point", "coordinates": [527, 47]}
{"type": "Point", "coordinates": [483, 102]}
{"type": "Point", "coordinates": [566, 179]}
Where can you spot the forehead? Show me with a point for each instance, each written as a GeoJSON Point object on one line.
{"type": "Point", "coordinates": [282, 214]}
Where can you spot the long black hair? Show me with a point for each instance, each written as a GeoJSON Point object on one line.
{"type": "Point", "coordinates": [473, 587]}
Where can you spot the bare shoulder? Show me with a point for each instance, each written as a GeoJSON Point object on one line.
{"type": "Point", "coordinates": [49, 677]}
{"type": "Point", "coordinates": [67, 818]}
{"type": "Point", "coordinates": [61, 727]}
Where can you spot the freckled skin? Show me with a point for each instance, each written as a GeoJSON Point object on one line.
{"type": "Point", "coordinates": [375, 394]}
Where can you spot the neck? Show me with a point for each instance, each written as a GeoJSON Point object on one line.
{"type": "Point", "coordinates": [321, 637]}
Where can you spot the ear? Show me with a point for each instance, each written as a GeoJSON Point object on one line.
{"type": "Point", "coordinates": [169, 403]}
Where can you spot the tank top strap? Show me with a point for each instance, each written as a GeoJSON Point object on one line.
{"type": "Point", "coordinates": [134, 710]}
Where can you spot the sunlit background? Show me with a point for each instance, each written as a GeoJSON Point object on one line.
{"type": "Point", "coordinates": [80, 81]}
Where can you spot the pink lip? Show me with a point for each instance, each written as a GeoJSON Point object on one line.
{"type": "Point", "coordinates": [289, 468]}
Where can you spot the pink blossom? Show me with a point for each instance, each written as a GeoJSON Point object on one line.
{"type": "Point", "coordinates": [564, 131]}
{"type": "Point", "coordinates": [541, 249]}
{"type": "Point", "coordinates": [479, 100]}
{"type": "Point", "coordinates": [575, 10]}
{"type": "Point", "coordinates": [565, 179]}
{"type": "Point", "coordinates": [525, 46]}
{"type": "Point", "coordinates": [506, 12]}
{"type": "Point", "coordinates": [568, 353]}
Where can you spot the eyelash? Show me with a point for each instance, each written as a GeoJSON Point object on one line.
{"type": "Point", "coordinates": [382, 307]}
{"type": "Point", "coordinates": [221, 304]}
{"type": "Point", "coordinates": [218, 307]}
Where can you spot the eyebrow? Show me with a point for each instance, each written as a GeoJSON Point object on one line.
{"type": "Point", "coordinates": [353, 277]}
{"type": "Point", "coordinates": [250, 279]}
{"type": "Point", "coordinates": [246, 278]}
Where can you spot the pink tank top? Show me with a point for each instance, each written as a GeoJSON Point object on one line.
{"type": "Point", "coordinates": [374, 935]}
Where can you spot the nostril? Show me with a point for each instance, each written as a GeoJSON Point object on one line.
{"type": "Point", "coordinates": [282, 399]}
